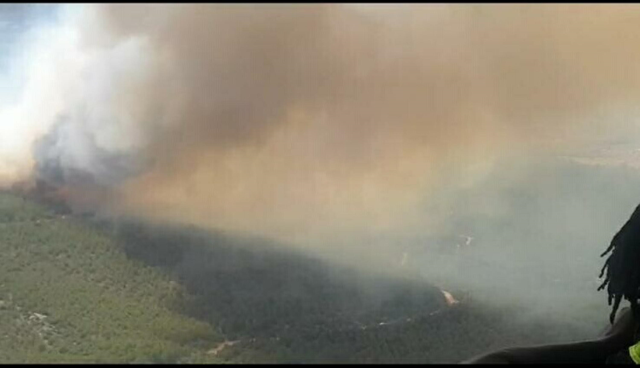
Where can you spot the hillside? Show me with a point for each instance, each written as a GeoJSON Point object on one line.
{"type": "Point", "coordinates": [69, 295]}
{"type": "Point", "coordinates": [80, 290]}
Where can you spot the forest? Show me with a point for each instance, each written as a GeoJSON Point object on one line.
{"type": "Point", "coordinates": [80, 289]}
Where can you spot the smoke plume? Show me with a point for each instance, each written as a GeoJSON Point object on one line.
{"type": "Point", "coordinates": [290, 119]}
{"type": "Point", "coordinates": [314, 124]}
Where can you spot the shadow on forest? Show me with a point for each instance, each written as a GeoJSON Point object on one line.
{"type": "Point", "coordinates": [306, 310]}
{"type": "Point", "coordinates": [253, 287]}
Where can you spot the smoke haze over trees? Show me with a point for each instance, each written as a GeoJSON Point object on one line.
{"type": "Point", "coordinates": [488, 149]}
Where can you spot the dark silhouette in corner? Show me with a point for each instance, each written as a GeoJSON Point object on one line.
{"type": "Point", "coordinates": [619, 343]}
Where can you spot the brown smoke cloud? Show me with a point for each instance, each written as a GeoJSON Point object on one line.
{"type": "Point", "coordinates": [305, 122]}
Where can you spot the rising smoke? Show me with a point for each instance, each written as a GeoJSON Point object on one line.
{"type": "Point", "coordinates": [314, 124]}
